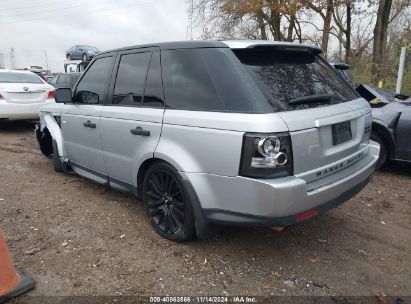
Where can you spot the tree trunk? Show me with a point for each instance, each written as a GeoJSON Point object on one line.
{"type": "Point", "coordinates": [327, 28]}
{"type": "Point", "coordinates": [380, 39]}
{"type": "Point", "coordinates": [348, 34]}
{"type": "Point", "coordinates": [261, 26]}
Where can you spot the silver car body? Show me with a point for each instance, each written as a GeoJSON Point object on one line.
{"type": "Point", "coordinates": [205, 147]}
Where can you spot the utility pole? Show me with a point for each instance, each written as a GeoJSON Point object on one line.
{"type": "Point", "coordinates": [189, 32]}
{"type": "Point", "coordinates": [2, 61]}
{"type": "Point", "coordinates": [12, 59]}
{"type": "Point", "coordinates": [47, 62]}
{"type": "Point", "coordinates": [401, 70]}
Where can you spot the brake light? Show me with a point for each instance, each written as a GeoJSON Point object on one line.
{"type": "Point", "coordinates": [51, 95]}
{"type": "Point", "coordinates": [266, 155]}
{"type": "Point", "coordinates": [1, 97]}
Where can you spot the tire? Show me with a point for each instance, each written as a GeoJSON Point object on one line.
{"type": "Point", "coordinates": [382, 159]}
{"type": "Point", "coordinates": [84, 57]}
{"type": "Point", "coordinates": [45, 141]}
{"type": "Point", "coordinates": [58, 165]}
{"type": "Point", "coordinates": [68, 57]}
{"type": "Point", "coordinates": [168, 204]}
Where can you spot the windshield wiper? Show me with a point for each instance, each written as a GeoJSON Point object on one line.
{"type": "Point", "coordinates": [311, 98]}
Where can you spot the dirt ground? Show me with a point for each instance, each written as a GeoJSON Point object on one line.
{"type": "Point", "coordinates": [77, 238]}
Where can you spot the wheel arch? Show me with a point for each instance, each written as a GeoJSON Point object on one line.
{"type": "Point", "coordinates": [386, 136]}
{"type": "Point", "coordinates": [48, 121]}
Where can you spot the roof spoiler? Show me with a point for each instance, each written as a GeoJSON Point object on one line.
{"type": "Point", "coordinates": [286, 48]}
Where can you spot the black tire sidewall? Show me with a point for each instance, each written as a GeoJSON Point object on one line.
{"type": "Point", "coordinates": [383, 150]}
{"type": "Point", "coordinates": [187, 232]}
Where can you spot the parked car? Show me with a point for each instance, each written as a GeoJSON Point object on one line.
{"type": "Point", "coordinates": [21, 95]}
{"type": "Point", "coordinates": [67, 80]}
{"type": "Point", "coordinates": [235, 132]}
{"type": "Point", "coordinates": [344, 71]}
{"type": "Point", "coordinates": [81, 52]}
{"type": "Point", "coordinates": [391, 126]}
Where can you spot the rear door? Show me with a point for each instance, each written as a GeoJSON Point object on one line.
{"type": "Point", "coordinates": [81, 119]}
{"type": "Point", "coordinates": [131, 122]}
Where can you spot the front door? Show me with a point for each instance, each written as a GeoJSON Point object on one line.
{"type": "Point", "coordinates": [80, 120]}
{"type": "Point", "coordinates": [404, 132]}
{"type": "Point", "coordinates": [131, 122]}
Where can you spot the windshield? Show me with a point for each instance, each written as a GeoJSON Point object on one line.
{"type": "Point", "coordinates": [10, 77]}
{"type": "Point", "coordinates": [292, 80]}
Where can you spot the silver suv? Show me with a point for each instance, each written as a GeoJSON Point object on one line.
{"type": "Point", "coordinates": [207, 132]}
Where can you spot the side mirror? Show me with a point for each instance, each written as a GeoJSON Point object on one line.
{"type": "Point", "coordinates": [62, 95]}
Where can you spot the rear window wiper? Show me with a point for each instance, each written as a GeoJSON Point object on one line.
{"type": "Point", "coordinates": [311, 98]}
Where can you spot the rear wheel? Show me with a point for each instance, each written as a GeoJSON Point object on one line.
{"type": "Point", "coordinates": [167, 203]}
{"type": "Point", "coordinates": [383, 149]}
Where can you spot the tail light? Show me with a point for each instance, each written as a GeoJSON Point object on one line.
{"type": "Point", "coordinates": [51, 95]}
{"type": "Point", "coordinates": [266, 155]}
{"type": "Point", "coordinates": [1, 97]}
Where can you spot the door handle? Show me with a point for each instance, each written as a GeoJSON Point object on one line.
{"type": "Point", "coordinates": [140, 131]}
{"type": "Point", "coordinates": [89, 124]}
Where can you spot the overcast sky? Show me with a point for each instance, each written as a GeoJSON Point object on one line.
{"type": "Point", "coordinates": [31, 27]}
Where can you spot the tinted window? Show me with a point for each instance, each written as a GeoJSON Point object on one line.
{"type": "Point", "coordinates": [12, 77]}
{"type": "Point", "coordinates": [54, 80]}
{"type": "Point", "coordinates": [63, 79]}
{"type": "Point", "coordinates": [153, 94]}
{"type": "Point", "coordinates": [92, 88]}
{"type": "Point", "coordinates": [131, 77]}
{"type": "Point", "coordinates": [288, 78]}
{"type": "Point", "coordinates": [209, 79]}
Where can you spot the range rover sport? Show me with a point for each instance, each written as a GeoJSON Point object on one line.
{"type": "Point", "coordinates": [207, 132]}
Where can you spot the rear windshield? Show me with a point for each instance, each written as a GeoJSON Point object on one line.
{"type": "Point", "coordinates": [292, 80]}
{"type": "Point", "coordinates": [11, 77]}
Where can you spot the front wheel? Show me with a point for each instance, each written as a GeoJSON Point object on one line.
{"type": "Point", "coordinates": [68, 57]}
{"type": "Point", "coordinates": [84, 57]}
{"type": "Point", "coordinates": [167, 203]}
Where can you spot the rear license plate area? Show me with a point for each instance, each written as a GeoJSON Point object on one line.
{"type": "Point", "coordinates": [341, 132]}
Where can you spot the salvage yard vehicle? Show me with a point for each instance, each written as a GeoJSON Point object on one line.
{"type": "Point", "coordinates": [21, 95]}
{"type": "Point", "coordinates": [66, 80]}
{"type": "Point", "coordinates": [82, 52]}
{"type": "Point", "coordinates": [207, 132]}
{"type": "Point", "coordinates": [391, 126]}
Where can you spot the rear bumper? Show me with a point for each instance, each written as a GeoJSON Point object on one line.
{"type": "Point", "coordinates": [14, 111]}
{"type": "Point", "coordinates": [275, 202]}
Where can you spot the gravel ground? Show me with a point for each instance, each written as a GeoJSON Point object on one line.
{"type": "Point", "coordinates": [77, 238]}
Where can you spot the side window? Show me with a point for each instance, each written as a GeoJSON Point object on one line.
{"type": "Point", "coordinates": [54, 80]}
{"type": "Point", "coordinates": [131, 78]}
{"type": "Point", "coordinates": [153, 94]}
{"type": "Point", "coordinates": [187, 83]}
{"type": "Point", "coordinates": [63, 79]}
{"type": "Point", "coordinates": [92, 88]}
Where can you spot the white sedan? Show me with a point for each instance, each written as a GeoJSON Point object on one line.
{"type": "Point", "coordinates": [22, 93]}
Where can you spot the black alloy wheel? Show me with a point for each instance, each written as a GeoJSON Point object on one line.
{"type": "Point", "coordinates": [167, 203]}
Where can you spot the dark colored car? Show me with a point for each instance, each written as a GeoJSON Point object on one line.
{"type": "Point", "coordinates": [391, 126]}
{"type": "Point", "coordinates": [82, 52]}
{"type": "Point", "coordinates": [344, 71]}
{"type": "Point", "coordinates": [67, 80]}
